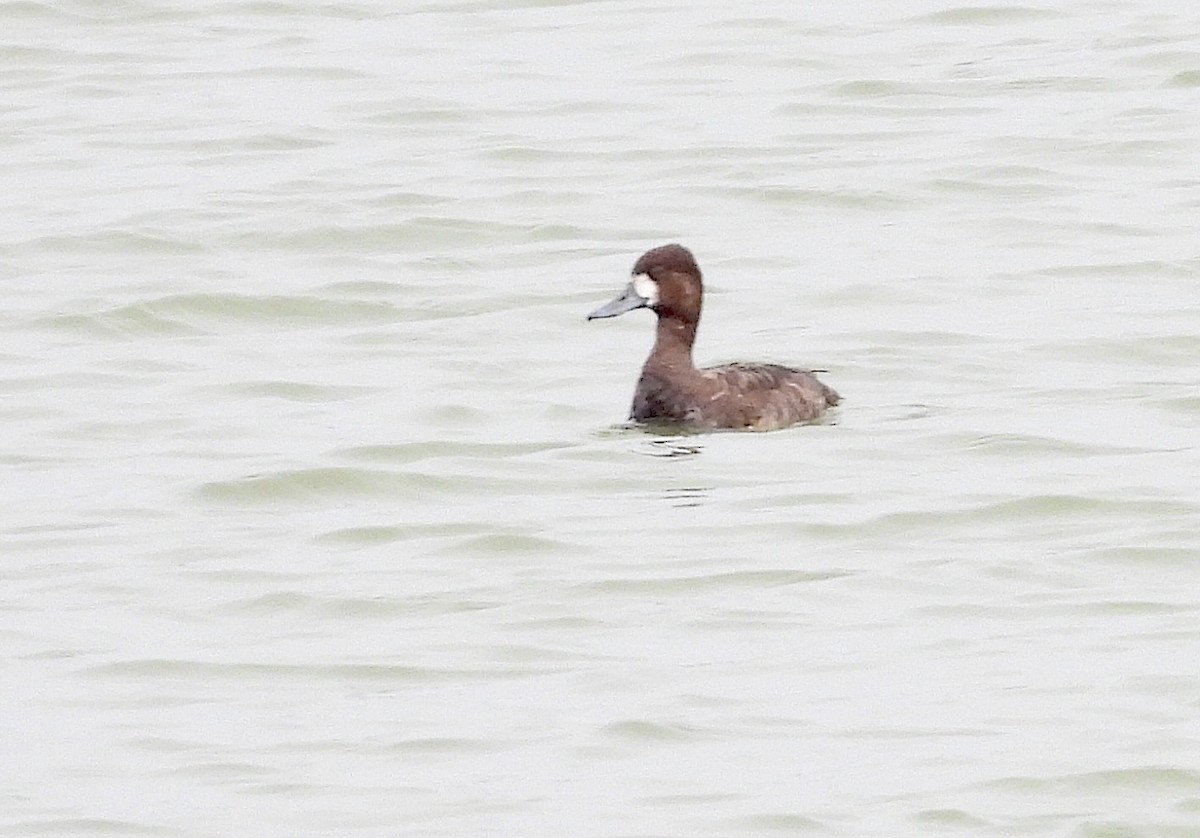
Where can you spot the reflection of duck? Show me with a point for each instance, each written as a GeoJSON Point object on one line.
{"type": "Point", "coordinates": [760, 397]}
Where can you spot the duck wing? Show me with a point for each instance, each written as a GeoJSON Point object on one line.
{"type": "Point", "coordinates": [770, 396]}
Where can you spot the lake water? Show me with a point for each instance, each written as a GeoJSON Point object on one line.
{"type": "Point", "coordinates": [321, 513]}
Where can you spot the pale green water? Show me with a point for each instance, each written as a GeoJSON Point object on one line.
{"type": "Point", "coordinates": [321, 518]}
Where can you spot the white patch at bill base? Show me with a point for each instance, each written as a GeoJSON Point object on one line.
{"type": "Point", "coordinates": [647, 289]}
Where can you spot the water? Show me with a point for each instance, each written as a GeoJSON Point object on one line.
{"type": "Point", "coordinates": [321, 514]}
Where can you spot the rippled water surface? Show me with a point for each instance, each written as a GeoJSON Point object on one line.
{"type": "Point", "coordinates": [321, 514]}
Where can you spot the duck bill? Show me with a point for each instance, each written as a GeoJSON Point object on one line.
{"type": "Point", "coordinates": [627, 301]}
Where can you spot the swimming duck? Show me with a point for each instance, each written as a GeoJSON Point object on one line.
{"type": "Point", "coordinates": [759, 397]}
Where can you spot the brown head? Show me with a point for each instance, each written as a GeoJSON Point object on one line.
{"type": "Point", "coordinates": [667, 281]}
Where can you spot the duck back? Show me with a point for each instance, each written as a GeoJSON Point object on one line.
{"type": "Point", "coordinates": [755, 396]}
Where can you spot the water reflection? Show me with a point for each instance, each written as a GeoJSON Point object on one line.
{"type": "Point", "coordinates": [671, 447]}
{"type": "Point", "coordinates": [657, 440]}
{"type": "Point", "coordinates": [688, 496]}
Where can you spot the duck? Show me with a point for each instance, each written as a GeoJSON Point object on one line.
{"type": "Point", "coordinates": [672, 391]}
